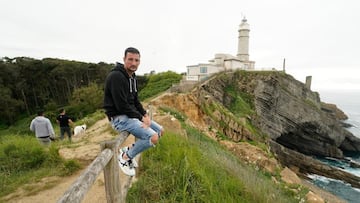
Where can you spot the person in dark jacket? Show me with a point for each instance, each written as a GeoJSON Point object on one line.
{"type": "Point", "coordinates": [126, 113]}
{"type": "Point", "coordinates": [64, 121]}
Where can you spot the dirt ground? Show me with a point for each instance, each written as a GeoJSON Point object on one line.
{"type": "Point", "coordinates": [87, 148]}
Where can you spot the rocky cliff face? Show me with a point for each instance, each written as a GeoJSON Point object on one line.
{"type": "Point", "coordinates": [293, 122]}
{"type": "Point", "coordinates": [307, 165]}
{"type": "Point", "coordinates": [288, 112]}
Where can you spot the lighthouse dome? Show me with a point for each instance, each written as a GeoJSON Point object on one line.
{"type": "Point", "coordinates": [244, 25]}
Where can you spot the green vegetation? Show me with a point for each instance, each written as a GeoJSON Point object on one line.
{"type": "Point", "coordinates": [28, 84]}
{"type": "Point", "coordinates": [23, 160]}
{"type": "Point", "coordinates": [158, 83]}
{"type": "Point", "coordinates": [180, 169]}
{"type": "Point", "coordinates": [239, 113]}
{"type": "Point", "coordinates": [198, 169]}
{"type": "Point", "coordinates": [86, 100]}
{"type": "Point", "coordinates": [242, 103]}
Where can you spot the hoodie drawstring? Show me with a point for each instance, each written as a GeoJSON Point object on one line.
{"type": "Point", "coordinates": [131, 84]}
{"type": "Point", "coordinates": [135, 84]}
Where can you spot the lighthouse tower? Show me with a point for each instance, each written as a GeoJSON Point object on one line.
{"type": "Point", "coordinates": [243, 45]}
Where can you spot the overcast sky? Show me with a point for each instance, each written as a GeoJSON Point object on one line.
{"type": "Point", "coordinates": [316, 37]}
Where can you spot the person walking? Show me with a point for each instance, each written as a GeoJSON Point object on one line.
{"type": "Point", "coordinates": [126, 113]}
{"type": "Point", "coordinates": [43, 128]}
{"type": "Point", "coordinates": [64, 121]}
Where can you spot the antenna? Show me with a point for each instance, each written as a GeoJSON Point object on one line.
{"type": "Point", "coordinates": [243, 17]}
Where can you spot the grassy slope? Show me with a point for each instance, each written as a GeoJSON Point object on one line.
{"type": "Point", "coordinates": [197, 169]}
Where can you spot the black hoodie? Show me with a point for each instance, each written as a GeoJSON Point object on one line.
{"type": "Point", "coordinates": [120, 95]}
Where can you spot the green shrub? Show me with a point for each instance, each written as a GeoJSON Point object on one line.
{"type": "Point", "coordinates": [21, 154]}
{"type": "Point", "coordinates": [53, 157]}
{"type": "Point", "coordinates": [24, 160]}
{"type": "Point", "coordinates": [69, 167]}
{"type": "Point", "coordinates": [158, 83]}
{"type": "Point", "coordinates": [85, 100]}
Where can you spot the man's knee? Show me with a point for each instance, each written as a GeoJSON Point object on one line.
{"type": "Point", "coordinates": [155, 139]}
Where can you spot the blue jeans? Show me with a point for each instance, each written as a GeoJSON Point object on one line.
{"type": "Point", "coordinates": [134, 126]}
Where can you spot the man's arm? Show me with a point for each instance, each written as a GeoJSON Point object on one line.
{"type": "Point", "coordinates": [32, 126]}
{"type": "Point", "coordinates": [139, 106]}
{"type": "Point", "coordinates": [50, 129]}
{"type": "Point", "coordinates": [70, 121]}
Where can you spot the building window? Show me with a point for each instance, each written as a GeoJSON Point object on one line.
{"type": "Point", "coordinates": [203, 69]}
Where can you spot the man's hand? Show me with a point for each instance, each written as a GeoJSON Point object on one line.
{"type": "Point", "coordinates": [146, 121]}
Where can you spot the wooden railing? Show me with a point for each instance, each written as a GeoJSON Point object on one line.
{"type": "Point", "coordinates": [106, 161]}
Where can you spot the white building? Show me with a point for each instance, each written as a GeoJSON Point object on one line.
{"type": "Point", "coordinates": [225, 62]}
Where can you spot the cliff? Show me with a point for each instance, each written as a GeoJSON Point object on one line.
{"type": "Point", "coordinates": [272, 108]}
{"type": "Point", "coordinates": [287, 112]}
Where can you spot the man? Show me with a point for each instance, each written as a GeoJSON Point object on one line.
{"type": "Point", "coordinates": [64, 121]}
{"type": "Point", "coordinates": [43, 129]}
{"type": "Point", "coordinates": [126, 113]}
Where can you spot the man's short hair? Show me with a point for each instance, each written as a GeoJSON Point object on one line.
{"type": "Point", "coordinates": [40, 112]}
{"type": "Point", "coordinates": [131, 50]}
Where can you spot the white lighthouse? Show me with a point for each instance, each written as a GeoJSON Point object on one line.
{"type": "Point", "coordinates": [243, 44]}
{"type": "Point", "coordinates": [225, 62]}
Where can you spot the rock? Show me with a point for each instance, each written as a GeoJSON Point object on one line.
{"type": "Point", "coordinates": [313, 198]}
{"type": "Point", "coordinates": [354, 164]}
{"type": "Point", "coordinates": [308, 165]}
{"type": "Point", "coordinates": [333, 110]}
{"type": "Point", "coordinates": [289, 176]}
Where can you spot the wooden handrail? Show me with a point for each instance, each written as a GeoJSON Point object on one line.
{"type": "Point", "coordinates": [107, 161]}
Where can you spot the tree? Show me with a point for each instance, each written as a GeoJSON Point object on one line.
{"type": "Point", "coordinates": [87, 99]}
{"type": "Point", "coordinates": [8, 106]}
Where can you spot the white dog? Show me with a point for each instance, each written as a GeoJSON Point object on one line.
{"type": "Point", "coordinates": [79, 129]}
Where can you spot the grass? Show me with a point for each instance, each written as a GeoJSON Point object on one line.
{"type": "Point", "coordinates": [23, 160]}
{"type": "Point", "coordinates": [198, 169]}
{"type": "Point", "coordinates": [242, 103]}
{"type": "Point", "coordinates": [159, 83]}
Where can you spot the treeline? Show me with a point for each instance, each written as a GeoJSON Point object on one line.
{"type": "Point", "coordinates": [28, 84]}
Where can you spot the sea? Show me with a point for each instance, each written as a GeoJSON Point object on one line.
{"type": "Point", "coordinates": [349, 102]}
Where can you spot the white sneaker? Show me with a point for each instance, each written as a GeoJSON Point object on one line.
{"type": "Point", "coordinates": [126, 165]}
{"type": "Point", "coordinates": [133, 161]}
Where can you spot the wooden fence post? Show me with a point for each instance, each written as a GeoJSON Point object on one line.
{"type": "Point", "coordinates": [111, 171]}
{"type": "Point", "coordinates": [111, 174]}
{"type": "Point", "coordinates": [81, 186]}
{"type": "Point", "coordinates": [108, 163]}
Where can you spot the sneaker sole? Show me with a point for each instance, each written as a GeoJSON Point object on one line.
{"type": "Point", "coordinates": [135, 164]}
{"type": "Point", "coordinates": [128, 172]}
